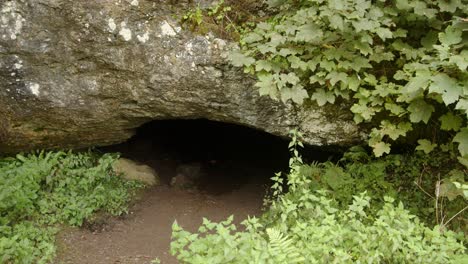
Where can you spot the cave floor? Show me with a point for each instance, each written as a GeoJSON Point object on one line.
{"type": "Point", "coordinates": [146, 232]}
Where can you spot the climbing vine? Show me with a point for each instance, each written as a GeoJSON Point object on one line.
{"type": "Point", "coordinates": [401, 63]}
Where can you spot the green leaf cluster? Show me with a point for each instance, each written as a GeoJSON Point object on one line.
{"type": "Point", "coordinates": [351, 213]}
{"type": "Point", "coordinates": [402, 64]}
{"type": "Point", "coordinates": [40, 190]}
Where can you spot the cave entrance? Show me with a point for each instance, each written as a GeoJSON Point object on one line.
{"type": "Point", "coordinates": [224, 156]}
{"type": "Point", "coordinates": [236, 165]}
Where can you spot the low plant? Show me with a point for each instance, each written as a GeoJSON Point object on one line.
{"type": "Point", "coordinates": [323, 213]}
{"type": "Point", "coordinates": [38, 191]}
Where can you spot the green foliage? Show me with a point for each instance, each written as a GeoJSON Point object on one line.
{"type": "Point", "coordinates": [40, 190]}
{"type": "Point", "coordinates": [328, 216]}
{"type": "Point", "coordinates": [225, 18]}
{"type": "Point", "coordinates": [401, 63]}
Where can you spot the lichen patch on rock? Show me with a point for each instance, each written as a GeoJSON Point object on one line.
{"type": "Point", "coordinates": [125, 32]}
{"type": "Point", "coordinates": [11, 21]}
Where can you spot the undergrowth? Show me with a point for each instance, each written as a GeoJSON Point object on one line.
{"type": "Point", "coordinates": [350, 212]}
{"type": "Point", "coordinates": [38, 192]}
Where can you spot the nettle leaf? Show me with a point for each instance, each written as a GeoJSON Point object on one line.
{"type": "Point", "coordinates": [451, 36]}
{"type": "Point", "coordinates": [450, 121]}
{"type": "Point", "coordinates": [420, 111]}
{"type": "Point", "coordinates": [380, 148]}
{"type": "Point", "coordinates": [426, 146]}
{"type": "Point", "coordinates": [447, 86]}
{"type": "Point", "coordinates": [239, 59]}
{"type": "Point", "coordinates": [322, 97]}
{"type": "Point", "coordinates": [462, 138]}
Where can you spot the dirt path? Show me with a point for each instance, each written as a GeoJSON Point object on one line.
{"type": "Point", "coordinates": [237, 164]}
{"type": "Point", "coordinates": [145, 233]}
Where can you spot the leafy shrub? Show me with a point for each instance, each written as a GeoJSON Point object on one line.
{"type": "Point", "coordinates": [26, 242]}
{"type": "Point", "coordinates": [410, 178]}
{"type": "Point", "coordinates": [40, 190]}
{"type": "Point", "coordinates": [311, 230]}
{"type": "Point", "coordinates": [401, 64]}
{"type": "Point", "coordinates": [323, 224]}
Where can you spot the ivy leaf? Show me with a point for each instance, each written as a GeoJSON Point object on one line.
{"type": "Point", "coordinates": [322, 97]}
{"type": "Point", "coordinates": [416, 83]}
{"type": "Point", "coordinates": [336, 21]}
{"type": "Point", "coordinates": [462, 138]}
{"type": "Point", "coordinates": [448, 189]}
{"type": "Point", "coordinates": [290, 78]}
{"type": "Point", "coordinates": [429, 40]}
{"type": "Point", "coordinates": [252, 37]}
{"type": "Point", "coordinates": [451, 36]}
{"type": "Point", "coordinates": [395, 109]}
{"type": "Point", "coordinates": [267, 85]}
{"type": "Point", "coordinates": [420, 111]}
{"type": "Point", "coordinates": [297, 63]}
{"type": "Point", "coordinates": [384, 33]}
{"type": "Point", "coordinates": [296, 93]}
{"type": "Point", "coordinates": [393, 131]}
{"type": "Point", "coordinates": [309, 33]}
{"type": "Point", "coordinates": [460, 60]}
{"type": "Point", "coordinates": [450, 122]}
{"type": "Point", "coordinates": [426, 146]}
{"type": "Point", "coordinates": [353, 83]}
{"type": "Point", "coordinates": [443, 84]}
{"type": "Point", "coordinates": [449, 5]}
{"type": "Point", "coordinates": [263, 65]}
{"type": "Point", "coordinates": [238, 59]}
{"type": "Point", "coordinates": [463, 160]}
{"type": "Point", "coordinates": [336, 77]}
{"type": "Point", "coordinates": [380, 148]}
{"type": "Point", "coordinates": [462, 105]}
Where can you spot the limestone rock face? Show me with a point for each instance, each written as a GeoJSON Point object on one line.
{"type": "Point", "coordinates": [76, 74]}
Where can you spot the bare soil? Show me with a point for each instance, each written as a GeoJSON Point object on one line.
{"type": "Point", "coordinates": [146, 232]}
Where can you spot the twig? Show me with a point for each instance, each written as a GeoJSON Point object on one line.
{"type": "Point", "coordinates": [428, 194]}
{"type": "Point", "coordinates": [466, 207]}
{"type": "Point", "coordinates": [437, 191]}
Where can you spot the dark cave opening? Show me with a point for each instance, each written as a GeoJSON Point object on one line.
{"type": "Point", "coordinates": [228, 155]}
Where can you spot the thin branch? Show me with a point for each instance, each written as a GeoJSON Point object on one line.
{"type": "Point", "coordinates": [466, 207]}
{"type": "Point", "coordinates": [428, 194]}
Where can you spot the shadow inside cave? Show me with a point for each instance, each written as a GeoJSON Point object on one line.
{"type": "Point", "coordinates": [228, 155]}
